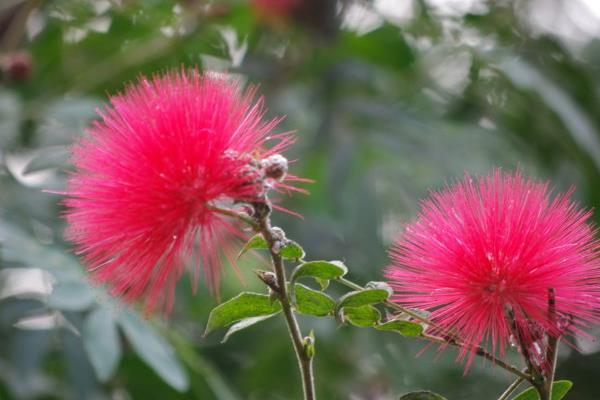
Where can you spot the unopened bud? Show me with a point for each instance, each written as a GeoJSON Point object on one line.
{"type": "Point", "coordinates": [261, 209]}
{"type": "Point", "coordinates": [275, 167]}
{"type": "Point", "coordinates": [279, 239]}
{"type": "Point", "coordinates": [247, 210]}
{"type": "Point", "coordinates": [269, 279]}
{"type": "Point", "coordinates": [309, 344]}
{"type": "Point", "coordinates": [564, 322]}
{"type": "Point", "coordinates": [278, 233]}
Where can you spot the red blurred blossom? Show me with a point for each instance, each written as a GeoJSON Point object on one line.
{"type": "Point", "coordinates": [489, 247]}
{"type": "Point", "coordinates": [18, 66]}
{"type": "Point", "coordinates": [275, 10]}
{"type": "Point", "coordinates": [316, 16]}
{"type": "Point", "coordinates": [150, 170]}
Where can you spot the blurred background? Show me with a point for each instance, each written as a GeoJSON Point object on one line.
{"type": "Point", "coordinates": [389, 98]}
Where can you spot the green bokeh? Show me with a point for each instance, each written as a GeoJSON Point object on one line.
{"type": "Point", "coordinates": [383, 112]}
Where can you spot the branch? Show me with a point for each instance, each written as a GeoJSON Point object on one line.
{"type": "Point", "coordinates": [263, 225]}
{"type": "Point", "coordinates": [511, 389]}
{"type": "Point", "coordinates": [480, 351]}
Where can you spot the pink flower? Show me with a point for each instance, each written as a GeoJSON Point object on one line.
{"type": "Point", "coordinates": [484, 248]}
{"type": "Point", "coordinates": [147, 174]}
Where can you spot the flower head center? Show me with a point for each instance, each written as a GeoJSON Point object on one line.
{"type": "Point", "coordinates": [498, 287]}
{"type": "Point", "coordinates": [494, 286]}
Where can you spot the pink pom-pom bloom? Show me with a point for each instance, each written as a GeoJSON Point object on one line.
{"type": "Point", "coordinates": [149, 174]}
{"type": "Point", "coordinates": [497, 258]}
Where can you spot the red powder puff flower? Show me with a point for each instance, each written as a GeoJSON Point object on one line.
{"type": "Point", "coordinates": [148, 173]}
{"type": "Point", "coordinates": [496, 258]}
{"type": "Point", "coordinates": [275, 8]}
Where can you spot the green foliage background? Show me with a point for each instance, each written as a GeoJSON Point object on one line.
{"type": "Point", "coordinates": [385, 107]}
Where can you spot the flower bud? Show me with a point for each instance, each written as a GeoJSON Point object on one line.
{"type": "Point", "coordinates": [275, 167]}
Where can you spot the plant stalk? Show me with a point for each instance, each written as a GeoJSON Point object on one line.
{"type": "Point", "coordinates": [510, 390]}
{"type": "Point", "coordinates": [544, 385]}
{"type": "Point", "coordinates": [552, 352]}
{"type": "Point", "coordinates": [304, 359]}
{"type": "Point", "coordinates": [480, 351]}
{"type": "Point", "coordinates": [262, 224]}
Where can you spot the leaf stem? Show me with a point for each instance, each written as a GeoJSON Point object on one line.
{"type": "Point", "coordinates": [263, 225]}
{"type": "Point", "coordinates": [513, 386]}
{"type": "Point", "coordinates": [235, 214]}
{"type": "Point", "coordinates": [480, 351]}
{"type": "Point", "coordinates": [552, 351]}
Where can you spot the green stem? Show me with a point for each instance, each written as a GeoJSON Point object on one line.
{"type": "Point", "coordinates": [303, 357]}
{"type": "Point", "coordinates": [263, 225]}
{"type": "Point", "coordinates": [480, 351]}
{"type": "Point", "coordinates": [552, 356]}
{"type": "Point", "coordinates": [552, 351]}
{"type": "Point", "coordinates": [511, 389]}
{"type": "Point", "coordinates": [235, 214]}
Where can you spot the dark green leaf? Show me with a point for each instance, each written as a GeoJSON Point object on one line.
{"type": "Point", "coordinates": [559, 391]}
{"type": "Point", "coordinates": [320, 269]}
{"type": "Point", "coordinates": [422, 395]}
{"type": "Point", "coordinates": [256, 242]}
{"type": "Point", "coordinates": [361, 316]}
{"type": "Point", "coordinates": [292, 251]}
{"type": "Point", "coordinates": [363, 298]}
{"type": "Point", "coordinates": [245, 323]}
{"type": "Point", "coordinates": [154, 350]}
{"type": "Point", "coordinates": [404, 328]}
{"type": "Point", "coordinates": [245, 305]}
{"type": "Point", "coordinates": [101, 343]}
{"type": "Point", "coordinates": [313, 302]}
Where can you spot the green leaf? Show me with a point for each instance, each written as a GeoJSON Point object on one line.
{"type": "Point", "coordinates": [323, 283]}
{"type": "Point", "coordinates": [154, 351]}
{"type": "Point", "coordinates": [10, 116]}
{"type": "Point", "coordinates": [559, 391]}
{"type": "Point", "coordinates": [101, 342]}
{"type": "Point", "coordinates": [320, 269]}
{"type": "Point", "coordinates": [404, 328]}
{"type": "Point", "coordinates": [71, 296]}
{"type": "Point", "coordinates": [380, 285]}
{"type": "Point", "coordinates": [292, 251]}
{"type": "Point", "coordinates": [47, 158]}
{"type": "Point", "coordinates": [244, 305]}
{"type": "Point", "coordinates": [363, 297]}
{"type": "Point", "coordinates": [245, 323]}
{"type": "Point", "coordinates": [361, 316]}
{"type": "Point", "coordinates": [256, 242]}
{"type": "Point", "coordinates": [64, 118]}
{"type": "Point", "coordinates": [202, 367]}
{"type": "Point", "coordinates": [313, 302]}
{"type": "Point", "coordinates": [422, 395]}
{"type": "Point", "coordinates": [21, 247]}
